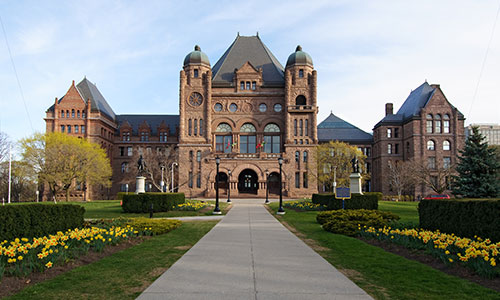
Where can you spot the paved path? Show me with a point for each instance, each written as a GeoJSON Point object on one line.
{"type": "Point", "coordinates": [250, 255]}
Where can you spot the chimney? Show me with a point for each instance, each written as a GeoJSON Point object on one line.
{"type": "Point", "coordinates": [388, 109]}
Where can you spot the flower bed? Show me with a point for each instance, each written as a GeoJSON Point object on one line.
{"type": "Point", "coordinates": [477, 254]}
{"type": "Point", "coordinates": [190, 206]}
{"type": "Point", "coordinates": [303, 205]}
{"type": "Point", "coordinates": [23, 256]}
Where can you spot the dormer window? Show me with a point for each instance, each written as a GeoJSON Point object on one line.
{"type": "Point", "coordinates": [163, 136]}
{"type": "Point", "coordinates": [62, 113]}
{"type": "Point", "coordinates": [73, 113]}
{"type": "Point", "coordinates": [301, 73]}
{"type": "Point", "coordinates": [78, 114]}
{"type": "Point", "coordinates": [144, 136]}
{"type": "Point", "coordinates": [242, 85]}
{"type": "Point", "coordinates": [126, 136]}
{"type": "Point", "coordinates": [83, 114]}
{"type": "Point", "coordinates": [254, 85]}
{"type": "Point", "coordinates": [195, 73]}
{"type": "Point", "coordinates": [248, 85]}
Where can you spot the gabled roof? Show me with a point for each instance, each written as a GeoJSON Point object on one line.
{"type": "Point", "coordinates": [416, 101]}
{"type": "Point", "coordinates": [252, 49]}
{"type": "Point", "coordinates": [153, 121]}
{"type": "Point", "coordinates": [89, 91]}
{"type": "Point", "coordinates": [334, 128]}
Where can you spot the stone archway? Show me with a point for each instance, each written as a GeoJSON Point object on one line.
{"type": "Point", "coordinates": [248, 182]}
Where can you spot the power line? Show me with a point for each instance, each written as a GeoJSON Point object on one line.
{"type": "Point", "coordinates": [17, 77]}
{"type": "Point", "coordinates": [484, 60]}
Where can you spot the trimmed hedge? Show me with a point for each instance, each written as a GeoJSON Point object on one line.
{"type": "Point", "coordinates": [348, 222]}
{"type": "Point", "coordinates": [38, 220]}
{"type": "Point", "coordinates": [357, 201]}
{"type": "Point", "coordinates": [465, 218]}
{"type": "Point", "coordinates": [141, 203]}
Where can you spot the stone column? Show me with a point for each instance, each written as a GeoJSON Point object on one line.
{"type": "Point", "coordinates": [140, 183]}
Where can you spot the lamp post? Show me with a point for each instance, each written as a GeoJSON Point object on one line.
{"type": "Point", "coordinates": [267, 187]}
{"type": "Point", "coordinates": [229, 186]}
{"type": "Point", "coordinates": [281, 211]}
{"type": "Point", "coordinates": [217, 210]}
{"type": "Point", "coordinates": [162, 183]}
{"type": "Point", "coordinates": [172, 167]}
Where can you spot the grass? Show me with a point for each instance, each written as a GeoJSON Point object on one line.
{"type": "Point", "coordinates": [123, 275]}
{"type": "Point", "coordinates": [107, 209]}
{"type": "Point", "coordinates": [382, 274]}
{"type": "Point", "coordinates": [406, 210]}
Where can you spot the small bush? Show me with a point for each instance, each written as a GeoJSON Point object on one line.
{"type": "Point", "coordinates": [348, 222]}
{"type": "Point", "coordinates": [141, 203]}
{"type": "Point", "coordinates": [119, 195]}
{"type": "Point", "coordinates": [37, 220]}
{"type": "Point", "coordinates": [155, 226]}
{"type": "Point", "coordinates": [357, 201]}
{"type": "Point", "coordinates": [466, 217]}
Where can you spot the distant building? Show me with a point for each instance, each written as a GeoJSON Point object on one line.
{"type": "Point", "coordinates": [427, 128]}
{"type": "Point", "coordinates": [490, 131]}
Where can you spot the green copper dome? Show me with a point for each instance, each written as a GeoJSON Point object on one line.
{"type": "Point", "coordinates": [299, 57]}
{"type": "Point", "coordinates": [196, 57]}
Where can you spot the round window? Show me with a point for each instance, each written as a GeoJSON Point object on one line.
{"type": "Point", "coordinates": [277, 107]}
{"type": "Point", "coordinates": [262, 107]}
{"type": "Point", "coordinates": [218, 107]}
{"type": "Point", "coordinates": [233, 107]}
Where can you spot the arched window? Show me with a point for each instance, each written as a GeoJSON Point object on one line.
{"type": "Point", "coordinates": [223, 138]}
{"type": "Point", "coordinates": [195, 73]}
{"type": "Point", "coordinates": [73, 113]}
{"type": "Point", "coordinates": [78, 114]}
{"type": "Point", "coordinates": [67, 113]}
{"type": "Point", "coordinates": [306, 127]}
{"type": "Point", "coordinates": [272, 138]}
{"type": "Point", "coordinates": [198, 156]}
{"type": "Point", "coordinates": [297, 156]}
{"type": "Point", "coordinates": [301, 126]}
{"type": "Point", "coordinates": [195, 127]}
{"type": "Point", "coordinates": [62, 113]}
{"type": "Point", "coordinates": [437, 124]}
{"type": "Point", "coordinates": [190, 126]}
{"type": "Point", "coordinates": [428, 124]}
{"type": "Point", "coordinates": [446, 123]}
{"type": "Point", "coordinates": [431, 145]}
{"type": "Point", "coordinates": [300, 100]}
{"type": "Point", "coordinates": [83, 114]}
{"type": "Point", "coordinates": [305, 156]}
{"type": "Point", "coordinates": [201, 126]}
{"type": "Point", "coordinates": [191, 155]}
{"type": "Point", "coordinates": [248, 139]}
{"type": "Point", "coordinates": [63, 128]}
{"type": "Point", "coordinates": [242, 85]}
{"type": "Point", "coordinates": [446, 145]}
{"type": "Point", "coordinates": [301, 73]}
{"type": "Point", "coordinates": [295, 130]}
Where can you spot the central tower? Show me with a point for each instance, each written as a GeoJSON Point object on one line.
{"type": "Point", "coordinates": [248, 110]}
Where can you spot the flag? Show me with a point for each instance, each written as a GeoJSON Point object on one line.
{"type": "Point", "coordinates": [228, 145]}
{"type": "Point", "coordinates": [233, 144]}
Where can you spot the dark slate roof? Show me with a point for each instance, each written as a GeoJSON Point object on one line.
{"type": "Point", "coordinates": [243, 49]}
{"type": "Point", "coordinates": [153, 121]}
{"type": "Point", "coordinates": [334, 128]}
{"type": "Point", "coordinates": [416, 101]}
{"type": "Point", "coordinates": [97, 102]}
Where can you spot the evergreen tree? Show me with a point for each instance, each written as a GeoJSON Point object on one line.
{"type": "Point", "coordinates": [477, 169]}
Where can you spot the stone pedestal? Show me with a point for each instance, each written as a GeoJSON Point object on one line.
{"type": "Point", "coordinates": [355, 183]}
{"type": "Point", "coordinates": [140, 183]}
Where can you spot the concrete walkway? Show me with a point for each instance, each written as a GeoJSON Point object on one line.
{"type": "Point", "coordinates": [250, 255]}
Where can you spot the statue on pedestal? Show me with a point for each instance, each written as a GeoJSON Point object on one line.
{"type": "Point", "coordinates": [141, 165]}
{"type": "Point", "coordinates": [355, 165]}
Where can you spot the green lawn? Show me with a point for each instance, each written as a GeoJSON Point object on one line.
{"type": "Point", "coordinates": [382, 274]}
{"type": "Point", "coordinates": [406, 210]}
{"type": "Point", "coordinates": [107, 209]}
{"type": "Point", "coordinates": [125, 274]}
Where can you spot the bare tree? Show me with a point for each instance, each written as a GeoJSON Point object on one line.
{"type": "Point", "coordinates": [154, 162]}
{"type": "Point", "coordinates": [401, 176]}
{"type": "Point", "coordinates": [4, 146]}
{"type": "Point", "coordinates": [434, 174]}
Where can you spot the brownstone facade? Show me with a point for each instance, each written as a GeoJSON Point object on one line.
{"type": "Point", "coordinates": [249, 110]}
{"type": "Point", "coordinates": [427, 128]}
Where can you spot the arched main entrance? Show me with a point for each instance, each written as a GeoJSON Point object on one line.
{"type": "Point", "coordinates": [274, 183]}
{"type": "Point", "coordinates": [248, 182]}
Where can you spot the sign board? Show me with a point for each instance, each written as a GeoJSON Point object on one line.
{"type": "Point", "coordinates": [342, 193]}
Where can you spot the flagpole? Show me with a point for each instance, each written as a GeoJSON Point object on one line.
{"type": "Point", "coordinates": [10, 171]}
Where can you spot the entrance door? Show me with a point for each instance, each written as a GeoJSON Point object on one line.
{"type": "Point", "coordinates": [248, 182]}
{"type": "Point", "coordinates": [274, 183]}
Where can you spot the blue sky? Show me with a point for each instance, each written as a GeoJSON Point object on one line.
{"type": "Point", "coordinates": [366, 53]}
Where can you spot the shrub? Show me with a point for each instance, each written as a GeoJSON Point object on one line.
{"type": "Point", "coordinates": [35, 220]}
{"type": "Point", "coordinates": [119, 195]}
{"type": "Point", "coordinates": [155, 226]}
{"type": "Point", "coordinates": [348, 222]}
{"type": "Point", "coordinates": [357, 201]}
{"type": "Point", "coordinates": [141, 203]}
{"type": "Point", "coordinates": [466, 218]}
